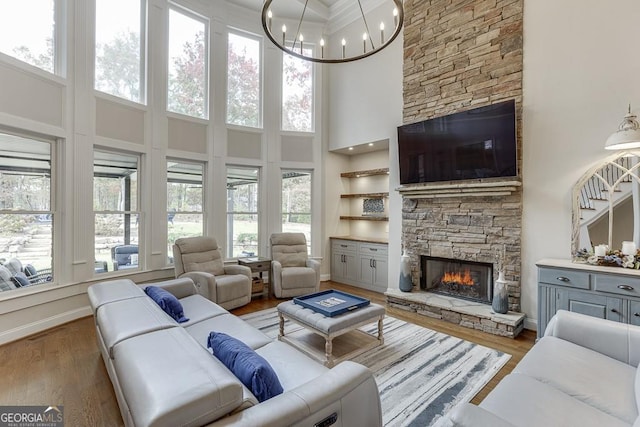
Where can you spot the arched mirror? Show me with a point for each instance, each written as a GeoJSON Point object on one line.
{"type": "Point", "coordinates": [606, 204]}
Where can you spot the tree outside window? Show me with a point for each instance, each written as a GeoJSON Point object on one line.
{"type": "Point", "coordinates": [188, 65]}
{"type": "Point", "coordinates": [27, 32]}
{"type": "Point", "coordinates": [115, 204]}
{"type": "Point", "coordinates": [243, 81]}
{"type": "Point", "coordinates": [26, 215]}
{"type": "Point", "coordinates": [242, 211]}
{"type": "Point", "coordinates": [297, 93]}
{"type": "Point", "coordinates": [119, 70]}
{"type": "Point", "coordinates": [185, 201]}
{"type": "Point", "coordinates": [296, 203]}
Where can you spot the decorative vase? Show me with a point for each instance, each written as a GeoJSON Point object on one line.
{"type": "Point", "coordinates": [405, 273]}
{"type": "Point", "coordinates": [500, 302]}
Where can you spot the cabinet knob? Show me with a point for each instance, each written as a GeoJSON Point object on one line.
{"type": "Point", "coordinates": [636, 314]}
{"type": "Point", "coordinates": [613, 310]}
{"type": "Point", "coordinates": [373, 249]}
{"type": "Point", "coordinates": [343, 246]}
{"type": "Point", "coordinates": [563, 279]}
{"type": "Point", "coordinates": [625, 287]}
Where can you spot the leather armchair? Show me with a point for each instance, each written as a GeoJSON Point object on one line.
{"type": "Point", "coordinates": [292, 272]}
{"type": "Point", "coordinates": [200, 259]}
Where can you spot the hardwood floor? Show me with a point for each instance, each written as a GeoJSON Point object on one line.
{"type": "Point", "coordinates": [63, 366]}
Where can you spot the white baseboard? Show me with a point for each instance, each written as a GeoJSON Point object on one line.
{"type": "Point", "coordinates": [325, 277]}
{"type": "Point", "coordinates": [23, 331]}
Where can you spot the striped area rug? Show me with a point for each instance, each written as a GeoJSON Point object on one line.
{"type": "Point", "coordinates": [421, 374]}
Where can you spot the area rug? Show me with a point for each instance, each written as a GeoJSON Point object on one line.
{"type": "Point", "coordinates": [421, 374]}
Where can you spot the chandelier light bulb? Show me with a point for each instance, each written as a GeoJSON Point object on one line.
{"type": "Point", "coordinates": [317, 55]}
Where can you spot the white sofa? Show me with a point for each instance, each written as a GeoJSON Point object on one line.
{"type": "Point", "coordinates": [163, 374]}
{"type": "Point", "coordinates": [583, 372]}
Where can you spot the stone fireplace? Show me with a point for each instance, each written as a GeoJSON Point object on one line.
{"type": "Point", "coordinates": [461, 279]}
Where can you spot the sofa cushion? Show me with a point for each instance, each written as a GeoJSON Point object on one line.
{"type": "Point", "coordinates": [298, 277]}
{"type": "Point", "coordinates": [231, 287]}
{"type": "Point", "coordinates": [113, 290]}
{"type": "Point", "coordinates": [199, 308]}
{"type": "Point", "coordinates": [527, 402]}
{"type": "Point", "coordinates": [124, 319]}
{"type": "Point", "coordinates": [230, 325]}
{"type": "Point", "coordinates": [200, 254]}
{"type": "Point", "coordinates": [579, 372]}
{"type": "Point", "coordinates": [166, 387]}
{"type": "Point", "coordinates": [292, 367]}
{"type": "Point", "coordinates": [167, 302]}
{"type": "Point", "coordinates": [249, 367]}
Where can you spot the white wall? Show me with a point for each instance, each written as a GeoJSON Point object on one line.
{"type": "Point", "coordinates": [581, 69]}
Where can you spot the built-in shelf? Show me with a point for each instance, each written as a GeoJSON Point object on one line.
{"type": "Point", "coordinates": [360, 174]}
{"type": "Point", "coordinates": [365, 218]}
{"type": "Point", "coordinates": [365, 196]}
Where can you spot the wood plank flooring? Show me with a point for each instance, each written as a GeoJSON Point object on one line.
{"type": "Point", "coordinates": [63, 366]}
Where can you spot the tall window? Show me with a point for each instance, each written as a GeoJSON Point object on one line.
{"type": "Point", "coordinates": [296, 203]}
{"type": "Point", "coordinates": [28, 32]}
{"type": "Point", "coordinates": [185, 201]}
{"type": "Point", "coordinates": [188, 64]}
{"type": "Point", "coordinates": [115, 205]}
{"type": "Point", "coordinates": [242, 211]}
{"type": "Point", "coordinates": [26, 213]}
{"type": "Point", "coordinates": [243, 80]}
{"type": "Point", "coordinates": [120, 48]}
{"type": "Point", "coordinates": [297, 93]}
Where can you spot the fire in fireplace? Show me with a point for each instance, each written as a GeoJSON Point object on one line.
{"type": "Point", "coordinates": [462, 279]}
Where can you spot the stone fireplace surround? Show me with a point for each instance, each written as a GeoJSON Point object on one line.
{"type": "Point", "coordinates": [440, 221]}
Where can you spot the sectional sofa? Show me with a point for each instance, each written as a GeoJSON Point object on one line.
{"type": "Point", "coordinates": [164, 375]}
{"type": "Point", "coordinates": [583, 372]}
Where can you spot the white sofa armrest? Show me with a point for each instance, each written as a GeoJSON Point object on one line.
{"type": "Point", "coordinates": [275, 276]}
{"type": "Point", "coordinates": [237, 269]}
{"type": "Point", "coordinates": [617, 340]}
{"type": "Point", "coordinates": [349, 390]}
{"type": "Point", "coordinates": [467, 414]}
{"type": "Point", "coordinates": [180, 288]}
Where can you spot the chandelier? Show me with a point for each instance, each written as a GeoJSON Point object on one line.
{"type": "Point", "coordinates": [334, 49]}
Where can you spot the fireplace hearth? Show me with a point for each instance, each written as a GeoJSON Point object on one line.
{"type": "Point", "coordinates": [468, 280]}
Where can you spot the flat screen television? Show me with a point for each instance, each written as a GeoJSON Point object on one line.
{"type": "Point", "coordinates": [469, 145]}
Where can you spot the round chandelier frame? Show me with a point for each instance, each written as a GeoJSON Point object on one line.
{"type": "Point", "coordinates": [398, 17]}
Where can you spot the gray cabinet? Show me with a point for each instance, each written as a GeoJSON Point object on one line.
{"type": "Point", "coordinates": [605, 292]}
{"type": "Point", "coordinates": [362, 264]}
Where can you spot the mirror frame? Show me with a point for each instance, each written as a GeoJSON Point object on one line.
{"type": "Point", "coordinates": [594, 174]}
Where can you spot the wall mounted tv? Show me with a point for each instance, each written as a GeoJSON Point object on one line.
{"type": "Point", "coordinates": [469, 145]}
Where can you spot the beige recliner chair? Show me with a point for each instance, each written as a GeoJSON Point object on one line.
{"type": "Point", "coordinates": [199, 258]}
{"type": "Point", "coordinates": [292, 272]}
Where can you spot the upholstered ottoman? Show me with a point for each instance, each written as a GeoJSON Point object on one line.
{"type": "Point", "coordinates": [330, 328]}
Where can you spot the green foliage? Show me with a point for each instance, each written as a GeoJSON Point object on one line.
{"type": "Point", "coordinates": [187, 83]}
{"type": "Point", "coordinates": [118, 66]}
{"type": "Point", "coordinates": [13, 223]}
{"type": "Point", "coordinates": [297, 94]}
{"type": "Point", "coordinates": [247, 238]}
{"type": "Point", "coordinates": [243, 89]}
{"type": "Point", "coordinates": [108, 225]}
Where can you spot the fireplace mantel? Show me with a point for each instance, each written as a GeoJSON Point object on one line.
{"type": "Point", "coordinates": [461, 189]}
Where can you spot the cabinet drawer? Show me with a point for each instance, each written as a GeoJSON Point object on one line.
{"type": "Point", "coordinates": [343, 245]}
{"type": "Point", "coordinates": [629, 286]}
{"type": "Point", "coordinates": [572, 279]}
{"type": "Point", "coordinates": [373, 249]}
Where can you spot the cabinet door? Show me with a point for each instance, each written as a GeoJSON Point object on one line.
{"type": "Point", "coordinates": [367, 271]}
{"type": "Point", "coordinates": [634, 312]}
{"type": "Point", "coordinates": [337, 267]}
{"type": "Point", "coordinates": [382, 269]}
{"type": "Point", "coordinates": [592, 305]}
{"type": "Point", "coordinates": [350, 267]}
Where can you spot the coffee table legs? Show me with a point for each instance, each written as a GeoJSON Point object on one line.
{"type": "Point", "coordinates": [328, 352]}
{"type": "Point", "coordinates": [281, 334]}
{"type": "Point", "coordinates": [380, 324]}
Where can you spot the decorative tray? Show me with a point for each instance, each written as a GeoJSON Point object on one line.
{"type": "Point", "coordinates": [331, 303]}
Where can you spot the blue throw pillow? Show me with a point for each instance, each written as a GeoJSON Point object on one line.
{"type": "Point", "coordinates": [20, 280]}
{"type": "Point", "coordinates": [168, 302]}
{"type": "Point", "coordinates": [30, 270]}
{"type": "Point", "coordinates": [247, 365]}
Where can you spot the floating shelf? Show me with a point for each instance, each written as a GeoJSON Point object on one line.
{"type": "Point", "coordinates": [365, 218]}
{"type": "Point", "coordinates": [365, 196]}
{"type": "Point", "coordinates": [370, 172]}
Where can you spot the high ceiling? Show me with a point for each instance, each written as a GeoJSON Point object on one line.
{"type": "Point", "coordinates": [317, 10]}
